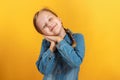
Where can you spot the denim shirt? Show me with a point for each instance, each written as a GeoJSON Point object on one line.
{"type": "Point", "coordinates": [64, 62]}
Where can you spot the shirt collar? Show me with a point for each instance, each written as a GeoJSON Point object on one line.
{"type": "Point", "coordinates": [67, 38]}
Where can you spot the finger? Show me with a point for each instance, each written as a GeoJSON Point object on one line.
{"type": "Point", "coordinates": [48, 39]}
{"type": "Point", "coordinates": [44, 36]}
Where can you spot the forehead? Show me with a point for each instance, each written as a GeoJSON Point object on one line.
{"type": "Point", "coordinates": [45, 14]}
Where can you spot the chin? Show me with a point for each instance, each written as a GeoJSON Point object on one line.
{"type": "Point", "coordinates": [53, 34]}
{"type": "Point", "coordinates": [57, 32]}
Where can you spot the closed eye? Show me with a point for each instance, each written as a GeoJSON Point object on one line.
{"type": "Point", "coordinates": [50, 19]}
{"type": "Point", "coordinates": [44, 26]}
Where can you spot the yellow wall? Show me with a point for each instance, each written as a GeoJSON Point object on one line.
{"type": "Point", "coordinates": [97, 20]}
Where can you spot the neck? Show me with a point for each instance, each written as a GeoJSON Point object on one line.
{"type": "Point", "coordinates": [62, 33]}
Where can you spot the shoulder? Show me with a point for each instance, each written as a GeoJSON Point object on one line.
{"type": "Point", "coordinates": [79, 38]}
{"type": "Point", "coordinates": [78, 35]}
{"type": "Point", "coordinates": [75, 35]}
{"type": "Point", "coordinates": [45, 42]}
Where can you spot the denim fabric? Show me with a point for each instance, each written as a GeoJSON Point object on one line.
{"type": "Point", "coordinates": [64, 62]}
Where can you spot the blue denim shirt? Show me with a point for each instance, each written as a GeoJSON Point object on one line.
{"type": "Point", "coordinates": [64, 62]}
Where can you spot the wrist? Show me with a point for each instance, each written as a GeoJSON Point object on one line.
{"type": "Point", "coordinates": [59, 39]}
{"type": "Point", "coordinates": [51, 49]}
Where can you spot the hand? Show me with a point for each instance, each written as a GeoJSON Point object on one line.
{"type": "Point", "coordinates": [52, 41]}
{"type": "Point", "coordinates": [55, 39]}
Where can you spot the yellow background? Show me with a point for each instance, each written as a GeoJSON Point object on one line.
{"type": "Point", "coordinates": [97, 20]}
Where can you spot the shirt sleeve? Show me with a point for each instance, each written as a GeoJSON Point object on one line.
{"type": "Point", "coordinates": [72, 56]}
{"type": "Point", "coordinates": [46, 61]}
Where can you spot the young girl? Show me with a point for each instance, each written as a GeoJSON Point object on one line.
{"type": "Point", "coordinates": [62, 51]}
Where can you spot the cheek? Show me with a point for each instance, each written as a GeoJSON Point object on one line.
{"type": "Point", "coordinates": [59, 23]}
{"type": "Point", "coordinates": [47, 32]}
{"type": "Point", "coordinates": [39, 28]}
{"type": "Point", "coordinates": [59, 26]}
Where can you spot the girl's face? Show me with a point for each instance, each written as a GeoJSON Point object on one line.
{"type": "Point", "coordinates": [48, 23]}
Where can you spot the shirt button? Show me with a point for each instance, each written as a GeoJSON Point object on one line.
{"type": "Point", "coordinates": [49, 58]}
{"type": "Point", "coordinates": [58, 71]}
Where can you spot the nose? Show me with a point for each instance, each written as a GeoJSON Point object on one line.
{"type": "Point", "coordinates": [50, 25]}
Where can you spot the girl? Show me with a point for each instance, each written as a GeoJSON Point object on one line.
{"type": "Point", "coordinates": [62, 51]}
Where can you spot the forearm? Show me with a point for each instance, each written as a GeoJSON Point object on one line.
{"type": "Point", "coordinates": [72, 56]}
